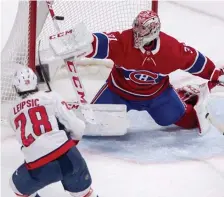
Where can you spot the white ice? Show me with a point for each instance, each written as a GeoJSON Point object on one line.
{"type": "Point", "coordinates": [177, 163]}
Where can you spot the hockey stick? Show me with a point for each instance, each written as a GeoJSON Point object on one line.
{"type": "Point", "coordinates": [73, 73]}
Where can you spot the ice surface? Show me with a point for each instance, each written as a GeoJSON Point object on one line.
{"type": "Point", "coordinates": [150, 161]}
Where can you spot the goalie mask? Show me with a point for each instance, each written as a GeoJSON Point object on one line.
{"type": "Point", "coordinates": [146, 28]}
{"type": "Point", "coordinates": [25, 80]}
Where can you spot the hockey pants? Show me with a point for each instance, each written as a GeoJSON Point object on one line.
{"type": "Point", "coordinates": [70, 169]}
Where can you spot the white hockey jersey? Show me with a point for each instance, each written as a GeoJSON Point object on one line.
{"type": "Point", "coordinates": [45, 127]}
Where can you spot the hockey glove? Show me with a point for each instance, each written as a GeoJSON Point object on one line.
{"type": "Point", "coordinates": [218, 75]}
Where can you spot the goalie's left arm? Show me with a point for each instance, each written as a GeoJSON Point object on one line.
{"type": "Point", "coordinates": [194, 62]}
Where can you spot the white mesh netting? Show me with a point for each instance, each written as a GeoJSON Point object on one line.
{"type": "Point", "coordinates": [97, 15]}
{"type": "Point", "coordinates": [14, 55]}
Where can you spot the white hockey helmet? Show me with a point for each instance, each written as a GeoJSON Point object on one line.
{"type": "Point", "coordinates": [146, 28]}
{"type": "Point", "coordinates": [25, 80]}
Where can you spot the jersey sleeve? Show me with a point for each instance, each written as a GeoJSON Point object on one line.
{"type": "Point", "coordinates": [194, 62]}
{"type": "Point", "coordinates": [68, 118]}
{"type": "Point", "coordinates": [107, 45]}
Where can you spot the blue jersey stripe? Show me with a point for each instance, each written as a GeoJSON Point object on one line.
{"type": "Point", "coordinates": [198, 65]}
{"type": "Point", "coordinates": [102, 46]}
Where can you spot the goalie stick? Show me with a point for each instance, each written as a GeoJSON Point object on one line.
{"type": "Point", "coordinates": [73, 73]}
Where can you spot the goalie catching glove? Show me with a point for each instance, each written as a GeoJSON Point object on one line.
{"type": "Point", "coordinates": [74, 42]}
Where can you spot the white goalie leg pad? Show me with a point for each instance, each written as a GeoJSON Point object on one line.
{"type": "Point", "coordinates": [201, 110]}
{"type": "Point", "coordinates": [210, 107]}
{"type": "Point", "coordinates": [110, 119]}
{"type": "Point", "coordinates": [215, 108]}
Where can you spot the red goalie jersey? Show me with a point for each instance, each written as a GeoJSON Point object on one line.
{"type": "Point", "coordinates": [141, 74]}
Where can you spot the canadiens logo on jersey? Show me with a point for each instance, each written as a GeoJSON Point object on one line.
{"type": "Point", "coordinates": [143, 77]}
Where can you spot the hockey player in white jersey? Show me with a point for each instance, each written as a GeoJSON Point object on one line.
{"type": "Point", "coordinates": [48, 133]}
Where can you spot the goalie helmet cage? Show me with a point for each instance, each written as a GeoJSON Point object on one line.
{"type": "Point", "coordinates": [33, 23]}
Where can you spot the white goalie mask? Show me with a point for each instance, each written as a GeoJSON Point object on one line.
{"type": "Point", "coordinates": [146, 28]}
{"type": "Point", "coordinates": [25, 80]}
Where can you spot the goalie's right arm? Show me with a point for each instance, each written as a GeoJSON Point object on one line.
{"type": "Point", "coordinates": [79, 42]}
{"type": "Point", "coordinates": [107, 46]}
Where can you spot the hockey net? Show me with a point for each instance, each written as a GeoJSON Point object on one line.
{"type": "Point", "coordinates": [33, 23]}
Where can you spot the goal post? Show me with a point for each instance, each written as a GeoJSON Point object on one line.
{"type": "Point", "coordinates": [155, 5]}
{"type": "Point", "coordinates": [33, 23]}
{"type": "Point", "coordinates": [32, 34]}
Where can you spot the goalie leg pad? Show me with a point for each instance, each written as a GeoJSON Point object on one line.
{"type": "Point", "coordinates": [201, 110]}
{"type": "Point", "coordinates": [215, 106]}
{"type": "Point", "coordinates": [106, 115]}
{"type": "Point", "coordinates": [208, 102]}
